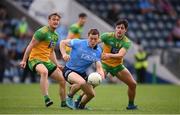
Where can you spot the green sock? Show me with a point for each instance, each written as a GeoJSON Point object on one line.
{"type": "Point", "coordinates": [131, 102]}
{"type": "Point", "coordinates": [79, 98]}
{"type": "Point", "coordinates": [46, 97]}
{"type": "Point", "coordinates": [63, 103]}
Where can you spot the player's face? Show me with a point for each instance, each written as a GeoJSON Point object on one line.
{"type": "Point", "coordinates": [93, 40]}
{"type": "Point", "coordinates": [82, 20]}
{"type": "Point", "coordinates": [120, 30]}
{"type": "Point", "coordinates": [54, 21]}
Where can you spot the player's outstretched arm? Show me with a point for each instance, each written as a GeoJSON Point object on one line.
{"type": "Point", "coordinates": [120, 54]}
{"type": "Point", "coordinates": [62, 48]}
{"type": "Point", "coordinates": [27, 52]}
{"type": "Point", "coordinates": [99, 69]}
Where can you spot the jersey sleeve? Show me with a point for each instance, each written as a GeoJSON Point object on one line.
{"type": "Point", "coordinates": [104, 37]}
{"type": "Point", "coordinates": [74, 43]}
{"type": "Point", "coordinates": [127, 45]}
{"type": "Point", "coordinates": [39, 35]}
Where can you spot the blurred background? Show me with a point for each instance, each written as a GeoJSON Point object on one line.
{"type": "Point", "coordinates": [154, 29]}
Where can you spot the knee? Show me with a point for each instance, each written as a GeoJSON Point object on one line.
{"type": "Point", "coordinates": [91, 94]}
{"type": "Point", "coordinates": [44, 73]}
{"type": "Point", "coordinates": [82, 82]}
{"type": "Point", "coordinates": [133, 85]}
{"type": "Point", "coordinates": [62, 83]}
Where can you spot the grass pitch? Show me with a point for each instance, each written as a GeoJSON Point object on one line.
{"type": "Point", "coordinates": [110, 99]}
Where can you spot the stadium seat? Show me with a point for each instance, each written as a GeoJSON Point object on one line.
{"type": "Point", "coordinates": [158, 27]}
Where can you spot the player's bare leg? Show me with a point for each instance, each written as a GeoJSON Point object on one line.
{"type": "Point", "coordinates": [127, 78]}
{"type": "Point", "coordinates": [74, 89]}
{"type": "Point", "coordinates": [74, 78]}
{"type": "Point", "coordinates": [87, 95]}
{"type": "Point", "coordinates": [57, 75]}
{"type": "Point", "coordinates": [42, 70]}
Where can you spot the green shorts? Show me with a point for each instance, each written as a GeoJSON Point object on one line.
{"type": "Point", "coordinates": [113, 70]}
{"type": "Point", "coordinates": [49, 65]}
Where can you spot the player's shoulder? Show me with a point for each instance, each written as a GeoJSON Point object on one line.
{"type": "Point", "coordinates": [83, 41]}
{"type": "Point", "coordinates": [108, 34]}
{"type": "Point", "coordinates": [75, 25]}
{"type": "Point", "coordinates": [43, 29]}
{"type": "Point", "coordinates": [126, 39]}
{"type": "Point", "coordinates": [77, 41]}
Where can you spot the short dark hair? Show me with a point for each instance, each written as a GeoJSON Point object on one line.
{"type": "Point", "coordinates": [82, 15]}
{"type": "Point", "coordinates": [122, 21]}
{"type": "Point", "coordinates": [54, 14]}
{"type": "Point", "coordinates": [93, 32]}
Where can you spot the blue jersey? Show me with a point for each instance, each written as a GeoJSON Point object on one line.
{"type": "Point", "coordinates": [82, 55]}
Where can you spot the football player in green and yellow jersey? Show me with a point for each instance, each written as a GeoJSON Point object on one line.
{"type": "Point", "coordinates": [41, 58]}
{"type": "Point", "coordinates": [115, 47]}
{"type": "Point", "coordinates": [76, 29]}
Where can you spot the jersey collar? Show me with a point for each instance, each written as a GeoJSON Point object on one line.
{"type": "Point", "coordinates": [90, 46]}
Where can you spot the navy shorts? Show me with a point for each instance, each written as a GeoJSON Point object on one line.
{"type": "Point", "coordinates": [67, 71]}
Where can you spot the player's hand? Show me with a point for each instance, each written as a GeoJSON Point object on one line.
{"type": "Point", "coordinates": [61, 67]}
{"type": "Point", "coordinates": [102, 76]}
{"type": "Point", "coordinates": [66, 57]}
{"type": "Point", "coordinates": [22, 64]}
{"type": "Point", "coordinates": [105, 56]}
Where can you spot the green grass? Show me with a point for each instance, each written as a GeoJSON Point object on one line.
{"type": "Point", "coordinates": [110, 99]}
